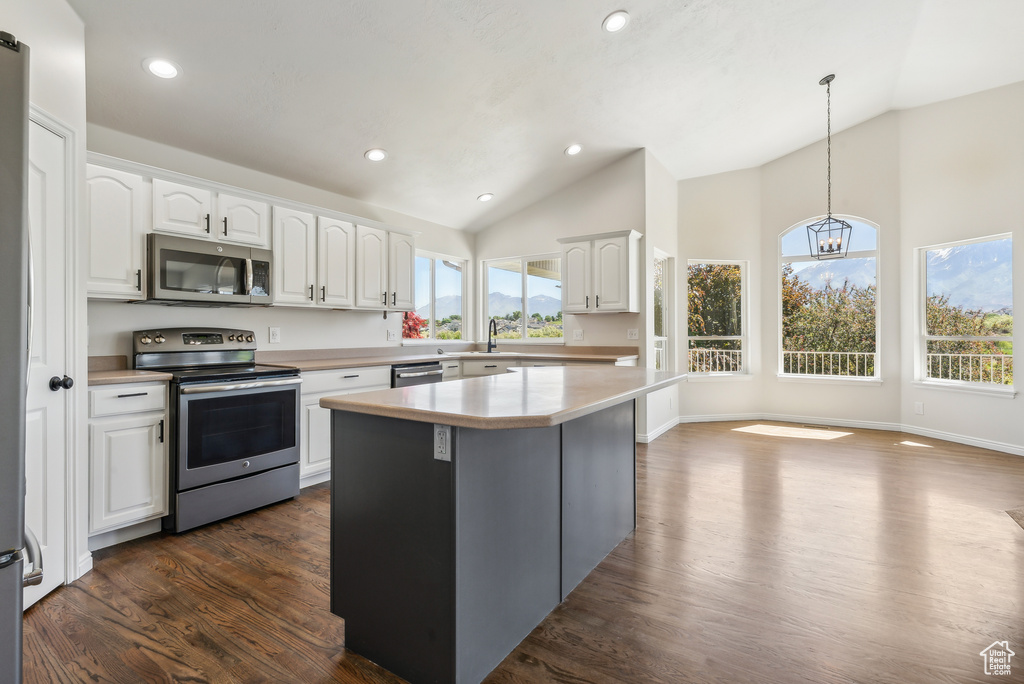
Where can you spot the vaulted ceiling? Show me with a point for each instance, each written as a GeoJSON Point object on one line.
{"type": "Point", "coordinates": [475, 96]}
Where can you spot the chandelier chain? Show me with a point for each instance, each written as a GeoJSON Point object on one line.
{"type": "Point", "coordinates": [828, 96]}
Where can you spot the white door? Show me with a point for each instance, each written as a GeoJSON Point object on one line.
{"type": "Point", "coordinates": [371, 268]}
{"type": "Point", "coordinates": [47, 411]}
{"type": "Point", "coordinates": [336, 268]}
{"type": "Point", "coordinates": [294, 257]}
{"type": "Point", "coordinates": [611, 275]}
{"type": "Point", "coordinates": [576, 294]}
{"type": "Point", "coordinates": [402, 272]}
{"type": "Point", "coordinates": [118, 207]}
{"type": "Point", "coordinates": [181, 209]}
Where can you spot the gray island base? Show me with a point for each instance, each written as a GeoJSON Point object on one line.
{"type": "Point", "coordinates": [441, 563]}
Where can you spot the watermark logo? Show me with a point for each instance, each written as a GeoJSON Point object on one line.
{"type": "Point", "coordinates": [997, 658]}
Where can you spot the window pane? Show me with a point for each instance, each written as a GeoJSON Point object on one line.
{"type": "Point", "coordinates": [828, 317]}
{"type": "Point", "coordinates": [659, 298]}
{"type": "Point", "coordinates": [544, 298]}
{"type": "Point", "coordinates": [447, 300]}
{"type": "Point", "coordinates": [713, 292]}
{"type": "Point", "coordinates": [505, 299]}
{"type": "Point", "coordinates": [715, 356]}
{"type": "Point", "coordinates": [970, 290]}
{"type": "Point", "coordinates": [416, 324]}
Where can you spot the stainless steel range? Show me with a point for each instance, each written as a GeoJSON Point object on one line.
{"type": "Point", "coordinates": [234, 436]}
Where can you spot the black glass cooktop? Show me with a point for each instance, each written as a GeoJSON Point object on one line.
{"type": "Point", "coordinates": [231, 373]}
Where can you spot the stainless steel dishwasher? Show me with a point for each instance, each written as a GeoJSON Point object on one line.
{"type": "Point", "coordinates": [409, 374]}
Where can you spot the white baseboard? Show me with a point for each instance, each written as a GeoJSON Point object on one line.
{"type": "Point", "coordinates": [83, 566]}
{"type": "Point", "coordinates": [317, 478]}
{"type": "Point", "coordinates": [1014, 449]}
{"type": "Point", "coordinates": [838, 422]}
{"type": "Point", "coordinates": [721, 418]}
{"type": "Point", "coordinates": [105, 539]}
{"type": "Point", "coordinates": [646, 438]}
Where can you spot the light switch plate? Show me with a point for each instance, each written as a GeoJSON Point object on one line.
{"type": "Point", "coordinates": [633, 334]}
{"type": "Point", "coordinates": [919, 408]}
{"type": "Point", "coordinates": [442, 442]}
{"type": "Point", "coordinates": [392, 335]}
{"type": "Point", "coordinates": [275, 335]}
{"type": "Point", "coordinates": [577, 335]}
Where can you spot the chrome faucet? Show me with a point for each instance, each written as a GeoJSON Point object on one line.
{"type": "Point", "coordinates": [492, 334]}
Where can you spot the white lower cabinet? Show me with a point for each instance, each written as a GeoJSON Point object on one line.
{"type": "Point", "coordinates": [475, 368]}
{"type": "Point", "coordinates": [128, 464]}
{"type": "Point", "coordinates": [452, 370]}
{"type": "Point", "coordinates": [315, 439]}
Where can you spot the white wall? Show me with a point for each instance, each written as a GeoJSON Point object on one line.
{"type": "Point", "coordinates": [610, 199]}
{"type": "Point", "coordinates": [111, 323]}
{"type": "Point", "coordinates": [962, 176]}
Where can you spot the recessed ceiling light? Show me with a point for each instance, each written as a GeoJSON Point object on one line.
{"type": "Point", "coordinates": [162, 67]}
{"type": "Point", "coordinates": [616, 21]}
{"type": "Point", "coordinates": [376, 154]}
{"type": "Point", "coordinates": [486, 197]}
{"type": "Point", "coordinates": [573, 150]}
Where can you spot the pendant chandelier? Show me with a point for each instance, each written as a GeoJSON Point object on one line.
{"type": "Point", "coordinates": [829, 238]}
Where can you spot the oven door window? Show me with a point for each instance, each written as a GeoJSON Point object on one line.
{"type": "Point", "coordinates": [224, 429]}
{"type": "Point", "coordinates": [205, 273]}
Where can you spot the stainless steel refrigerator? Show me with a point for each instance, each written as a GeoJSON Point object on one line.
{"type": "Point", "coordinates": [15, 325]}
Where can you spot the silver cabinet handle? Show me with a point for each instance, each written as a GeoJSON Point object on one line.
{"type": "Point", "coordinates": [35, 557]}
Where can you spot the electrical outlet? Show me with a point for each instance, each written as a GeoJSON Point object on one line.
{"type": "Point", "coordinates": [275, 335]}
{"type": "Point", "coordinates": [577, 335]}
{"type": "Point", "coordinates": [633, 334]}
{"type": "Point", "coordinates": [392, 335]}
{"type": "Point", "coordinates": [442, 442]}
{"type": "Point", "coordinates": [919, 408]}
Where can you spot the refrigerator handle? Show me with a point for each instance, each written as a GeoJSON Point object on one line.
{"type": "Point", "coordinates": [35, 557]}
{"type": "Point", "coordinates": [31, 307]}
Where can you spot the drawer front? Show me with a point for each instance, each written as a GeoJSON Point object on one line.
{"type": "Point", "coordinates": [346, 379]}
{"type": "Point", "coordinates": [470, 368]}
{"type": "Point", "coordinates": [132, 398]}
{"type": "Point", "coordinates": [452, 370]}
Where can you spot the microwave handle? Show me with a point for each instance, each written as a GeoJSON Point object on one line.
{"type": "Point", "coordinates": [248, 276]}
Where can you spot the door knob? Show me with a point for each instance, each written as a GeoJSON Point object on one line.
{"type": "Point", "coordinates": [58, 383]}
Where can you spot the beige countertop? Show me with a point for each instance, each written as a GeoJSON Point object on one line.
{"type": "Point", "coordinates": [116, 377]}
{"type": "Point", "coordinates": [527, 398]}
{"type": "Point", "coordinates": [356, 361]}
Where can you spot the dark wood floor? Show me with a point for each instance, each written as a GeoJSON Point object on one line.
{"type": "Point", "coordinates": [755, 559]}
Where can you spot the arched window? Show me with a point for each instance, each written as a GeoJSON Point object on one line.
{"type": "Point", "coordinates": [828, 308]}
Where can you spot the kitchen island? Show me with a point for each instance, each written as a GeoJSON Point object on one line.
{"type": "Point", "coordinates": [462, 513]}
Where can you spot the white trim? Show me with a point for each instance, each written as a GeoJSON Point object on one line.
{"type": "Point", "coordinates": [648, 437]}
{"type": "Point", "coordinates": [720, 418]}
{"type": "Point", "coordinates": [164, 174]}
{"type": "Point", "coordinates": [836, 422]}
{"type": "Point", "coordinates": [315, 478]}
{"type": "Point", "coordinates": [484, 290]}
{"type": "Point", "coordinates": [718, 377]}
{"type": "Point", "coordinates": [829, 379]}
{"type": "Point", "coordinates": [118, 536]}
{"type": "Point", "coordinates": [998, 391]}
{"type": "Point", "coordinates": [1014, 449]}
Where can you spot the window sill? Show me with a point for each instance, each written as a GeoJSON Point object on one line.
{"type": "Point", "coordinates": [719, 377]}
{"type": "Point", "coordinates": [423, 341]}
{"type": "Point", "coordinates": [829, 379]}
{"type": "Point", "coordinates": [1000, 391]}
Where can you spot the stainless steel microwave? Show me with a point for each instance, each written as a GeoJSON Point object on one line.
{"type": "Point", "coordinates": [182, 270]}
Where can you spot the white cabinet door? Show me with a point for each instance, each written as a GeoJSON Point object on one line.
{"type": "Point", "coordinates": [371, 268]}
{"type": "Point", "coordinates": [401, 272]}
{"type": "Point", "coordinates": [182, 209]}
{"type": "Point", "coordinates": [611, 274]}
{"type": "Point", "coordinates": [576, 277]}
{"type": "Point", "coordinates": [243, 220]}
{"type": "Point", "coordinates": [117, 204]}
{"type": "Point", "coordinates": [315, 447]}
{"type": "Point", "coordinates": [127, 471]}
{"type": "Point", "coordinates": [294, 257]}
{"type": "Point", "coordinates": [336, 261]}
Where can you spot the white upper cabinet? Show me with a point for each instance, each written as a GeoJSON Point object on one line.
{"type": "Point", "coordinates": [336, 260]}
{"type": "Point", "coordinates": [242, 220]}
{"type": "Point", "coordinates": [182, 209]}
{"type": "Point", "coordinates": [371, 268]}
{"type": "Point", "coordinates": [294, 257]}
{"type": "Point", "coordinates": [601, 273]}
{"type": "Point", "coordinates": [385, 270]}
{"type": "Point", "coordinates": [118, 209]}
{"type": "Point", "coordinates": [401, 271]}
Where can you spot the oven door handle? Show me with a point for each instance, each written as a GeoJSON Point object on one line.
{"type": "Point", "coordinates": [421, 374]}
{"type": "Point", "coordinates": [228, 386]}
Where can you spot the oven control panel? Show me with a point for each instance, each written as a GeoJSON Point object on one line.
{"type": "Point", "coordinates": [192, 339]}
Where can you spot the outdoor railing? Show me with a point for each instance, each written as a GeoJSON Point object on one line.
{"type": "Point", "coordinates": [851, 364]}
{"type": "Point", "coordinates": [995, 369]}
{"type": "Point", "coordinates": [715, 361]}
